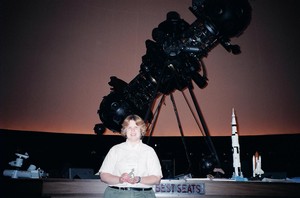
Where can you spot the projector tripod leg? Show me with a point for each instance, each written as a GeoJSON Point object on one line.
{"type": "Point", "coordinates": [157, 111]}
{"type": "Point", "coordinates": [181, 133]}
{"type": "Point", "coordinates": [156, 114]}
{"type": "Point", "coordinates": [205, 128]}
{"type": "Point", "coordinates": [205, 131]}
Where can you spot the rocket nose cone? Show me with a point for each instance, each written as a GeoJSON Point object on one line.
{"type": "Point", "coordinates": [233, 120]}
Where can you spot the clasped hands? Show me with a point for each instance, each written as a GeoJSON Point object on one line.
{"type": "Point", "coordinates": [125, 177]}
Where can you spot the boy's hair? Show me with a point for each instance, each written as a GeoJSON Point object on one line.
{"type": "Point", "coordinates": [139, 122]}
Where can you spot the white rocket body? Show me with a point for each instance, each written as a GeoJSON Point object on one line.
{"type": "Point", "coordinates": [235, 147]}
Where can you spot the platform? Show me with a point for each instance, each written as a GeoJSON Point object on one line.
{"type": "Point", "coordinates": [85, 188]}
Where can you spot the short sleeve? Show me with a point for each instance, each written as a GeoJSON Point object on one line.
{"type": "Point", "coordinates": [109, 162]}
{"type": "Point", "coordinates": [154, 166]}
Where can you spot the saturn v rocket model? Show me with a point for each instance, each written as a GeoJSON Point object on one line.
{"type": "Point", "coordinates": [237, 174]}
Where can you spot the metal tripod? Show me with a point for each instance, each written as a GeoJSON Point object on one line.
{"type": "Point", "coordinates": [201, 125]}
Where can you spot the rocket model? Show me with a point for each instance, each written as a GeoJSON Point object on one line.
{"type": "Point", "coordinates": [235, 148]}
{"type": "Point", "coordinates": [32, 172]}
{"type": "Point", "coordinates": [257, 171]}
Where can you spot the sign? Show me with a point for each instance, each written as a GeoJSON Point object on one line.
{"type": "Point", "coordinates": [180, 187]}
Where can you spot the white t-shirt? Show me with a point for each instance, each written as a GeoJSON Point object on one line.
{"type": "Point", "coordinates": [140, 159]}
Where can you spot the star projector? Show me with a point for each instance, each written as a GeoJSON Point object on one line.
{"type": "Point", "coordinates": [173, 59]}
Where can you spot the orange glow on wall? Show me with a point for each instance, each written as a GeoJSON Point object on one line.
{"type": "Point", "coordinates": [56, 58]}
